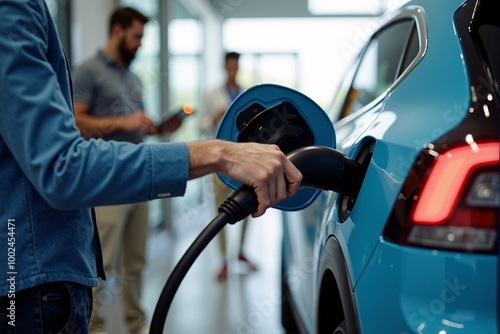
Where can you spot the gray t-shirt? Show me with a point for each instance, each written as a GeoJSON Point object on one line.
{"type": "Point", "coordinates": [109, 90]}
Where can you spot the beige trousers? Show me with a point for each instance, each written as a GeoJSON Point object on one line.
{"type": "Point", "coordinates": [123, 230]}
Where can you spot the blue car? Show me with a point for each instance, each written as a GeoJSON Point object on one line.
{"type": "Point", "coordinates": [416, 249]}
{"type": "Point", "coordinates": [395, 227]}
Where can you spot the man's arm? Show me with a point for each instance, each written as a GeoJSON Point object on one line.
{"type": "Point", "coordinates": [96, 127]}
{"type": "Point", "coordinates": [263, 167]}
{"type": "Point", "coordinates": [37, 130]}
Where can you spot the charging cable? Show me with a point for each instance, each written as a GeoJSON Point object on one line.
{"type": "Point", "coordinates": [321, 167]}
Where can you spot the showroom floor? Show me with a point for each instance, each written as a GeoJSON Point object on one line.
{"type": "Point", "coordinates": [247, 302]}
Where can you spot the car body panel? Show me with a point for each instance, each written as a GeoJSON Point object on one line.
{"type": "Point", "coordinates": [300, 259]}
{"type": "Point", "coordinates": [427, 291]}
{"type": "Point", "coordinates": [397, 289]}
{"type": "Point", "coordinates": [402, 129]}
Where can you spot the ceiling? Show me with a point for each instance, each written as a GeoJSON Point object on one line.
{"type": "Point", "coordinates": [260, 8]}
{"type": "Point", "coordinates": [268, 8]}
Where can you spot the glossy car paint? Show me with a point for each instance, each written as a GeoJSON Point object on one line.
{"type": "Point", "coordinates": [395, 288]}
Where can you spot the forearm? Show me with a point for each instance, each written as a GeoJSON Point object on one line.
{"type": "Point", "coordinates": [205, 157]}
{"type": "Point", "coordinates": [98, 127]}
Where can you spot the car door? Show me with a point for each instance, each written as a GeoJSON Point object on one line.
{"type": "Point", "coordinates": [389, 55]}
{"type": "Point", "coordinates": [357, 108]}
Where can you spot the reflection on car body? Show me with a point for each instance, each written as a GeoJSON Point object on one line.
{"type": "Point", "coordinates": [417, 250]}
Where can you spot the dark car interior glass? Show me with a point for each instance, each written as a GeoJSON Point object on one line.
{"type": "Point", "coordinates": [387, 55]}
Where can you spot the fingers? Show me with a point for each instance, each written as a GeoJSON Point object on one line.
{"type": "Point", "coordinates": [283, 181]}
{"type": "Point", "coordinates": [147, 124]}
{"type": "Point", "coordinates": [272, 193]}
{"type": "Point", "coordinates": [263, 167]}
{"type": "Point", "coordinates": [142, 122]}
{"type": "Point", "coordinates": [172, 124]}
{"type": "Point", "coordinates": [293, 177]}
{"type": "Point", "coordinates": [266, 192]}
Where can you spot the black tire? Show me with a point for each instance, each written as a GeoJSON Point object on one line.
{"type": "Point", "coordinates": [341, 328]}
{"type": "Point", "coordinates": [287, 318]}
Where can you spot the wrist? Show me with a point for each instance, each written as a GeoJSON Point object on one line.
{"type": "Point", "coordinates": [106, 125]}
{"type": "Point", "coordinates": [207, 157]}
{"type": "Point", "coordinates": [219, 154]}
{"type": "Point", "coordinates": [117, 123]}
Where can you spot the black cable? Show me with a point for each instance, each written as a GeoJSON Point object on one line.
{"type": "Point", "coordinates": [237, 206]}
{"type": "Point", "coordinates": [321, 167]}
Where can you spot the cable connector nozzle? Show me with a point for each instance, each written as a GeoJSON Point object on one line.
{"type": "Point", "coordinates": [240, 204]}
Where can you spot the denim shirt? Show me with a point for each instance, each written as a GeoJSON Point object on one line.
{"type": "Point", "coordinates": [50, 176]}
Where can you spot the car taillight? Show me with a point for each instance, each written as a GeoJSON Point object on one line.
{"type": "Point", "coordinates": [458, 205]}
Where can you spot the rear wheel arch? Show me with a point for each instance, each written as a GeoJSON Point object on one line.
{"type": "Point", "coordinates": [335, 294]}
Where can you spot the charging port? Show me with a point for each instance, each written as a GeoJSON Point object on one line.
{"type": "Point", "coordinates": [346, 202]}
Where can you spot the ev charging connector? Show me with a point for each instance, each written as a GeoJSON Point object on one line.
{"type": "Point", "coordinates": [274, 115]}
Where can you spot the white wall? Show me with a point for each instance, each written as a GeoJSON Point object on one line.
{"type": "Point", "coordinates": [89, 27]}
{"type": "Point", "coordinates": [212, 49]}
{"type": "Point", "coordinates": [325, 48]}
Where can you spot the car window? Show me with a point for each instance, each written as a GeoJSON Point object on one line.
{"type": "Point", "coordinates": [411, 52]}
{"type": "Point", "coordinates": [490, 35]}
{"type": "Point", "coordinates": [389, 52]}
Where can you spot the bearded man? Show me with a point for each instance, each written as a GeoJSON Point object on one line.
{"type": "Point", "coordinates": [108, 104]}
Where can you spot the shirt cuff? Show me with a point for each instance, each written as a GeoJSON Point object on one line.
{"type": "Point", "coordinates": [170, 163]}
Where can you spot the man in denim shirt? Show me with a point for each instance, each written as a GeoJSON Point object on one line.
{"type": "Point", "coordinates": [108, 104]}
{"type": "Point", "coordinates": [50, 254]}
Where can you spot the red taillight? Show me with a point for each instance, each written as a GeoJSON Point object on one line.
{"type": "Point", "coordinates": [458, 205]}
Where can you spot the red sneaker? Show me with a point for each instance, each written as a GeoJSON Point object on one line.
{"type": "Point", "coordinates": [222, 275]}
{"type": "Point", "coordinates": [249, 263]}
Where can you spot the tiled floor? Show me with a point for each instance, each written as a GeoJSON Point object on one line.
{"type": "Point", "coordinates": [246, 303]}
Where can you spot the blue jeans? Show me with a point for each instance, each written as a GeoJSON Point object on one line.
{"type": "Point", "coordinates": [51, 308]}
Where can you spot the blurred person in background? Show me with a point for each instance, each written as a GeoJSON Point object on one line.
{"type": "Point", "coordinates": [216, 103]}
{"type": "Point", "coordinates": [108, 103]}
{"type": "Point", "coordinates": [52, 177]}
